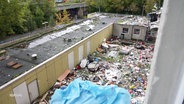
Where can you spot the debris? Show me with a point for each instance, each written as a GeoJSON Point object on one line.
{"type": "Point", "coordinates": [113, 54]}
{"type": "Point", "coordinates": [105, 45]}
{"type": "Point", "coordinates": [11, 63]}
{"type": "Point", "coordinates": [139, 46]}
{"type": "Point", "coordinates": [125, 50]}
{"type": "Point", "coordinates": [2, 52]}
{"type": "Point", "coordinates": [103, 23]}
{"type": "Point", "coordinates": [69, 40]}
{"type": "Point", "coordinates": [2, 58]}
{"type": "Point", "coordinates": [93, 67]}
{"type": "Point", "coordinates": [83, 63]}
{"type": "Point", "coordinates": [57, 85]}
{"type": "Point", "coordinates": [126, 42]}
{"type": "Point", "coordinates": [113, 74]}
{"type": "Point", "coordinates": [96, 79]}
{"type": "Point", "coordinates": [16, 66]}
{"type": "Point", "coordinates": [43, 101]}
{"type": "Point", "coordinates": [34, 56]}
{"type": "Point", "coordinates": [63, 76]}
{"type": "Point", "coordinates": [100, 50]}
{"type": "Point", "coordinates": [113, 45]}
{"type": "Point", "coordinates": [129, 70]}
{"type": "Point", "coordinates": [90, 58]}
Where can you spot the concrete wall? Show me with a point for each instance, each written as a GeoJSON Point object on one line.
{"type": "Point", "coordinates": [154, 32]}
{"type": "Point", "coordinates": [142, 34]}
{"type": "Point", "coordinates": [118, 29]}
{"type": "Point", "coordinates": [47, 72]}
{"type": "Point", "coordinates": [166, 82]}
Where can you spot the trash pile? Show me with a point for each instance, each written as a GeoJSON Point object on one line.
{"type": "Point", "coordinates": [134, 20]}
{"type": "Point", "coordinates": [125, 63]}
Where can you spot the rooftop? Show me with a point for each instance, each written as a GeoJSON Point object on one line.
{"type": "Point", "coordinates": [20, 56]}
{"type": "Point", "coordinates": [133, 20]}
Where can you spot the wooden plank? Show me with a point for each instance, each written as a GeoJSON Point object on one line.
{"type": "Point", "coordinates": [11, 63]}
{"type": "Point", "coordinates": [16, 66]}
{"type": "Point", "coordinates": [63, 76]}
{"type": "Point", "coordinates": [2, 58]}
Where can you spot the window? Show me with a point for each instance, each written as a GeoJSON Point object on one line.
{"type": "Point", "coordinates": [125, 30]}
{"type": "Point", "coordinates": [137, 31]}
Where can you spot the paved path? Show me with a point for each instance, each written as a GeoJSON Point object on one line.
{"type": "Point", "coordinates": [13, 38]}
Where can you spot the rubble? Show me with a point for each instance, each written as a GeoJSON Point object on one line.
{"type": "Point", "coordinates": [93, 66]}
{"type": "Point", "coordinates": [123, 65]}
{"type": "Point", "coordinates": [83, 63]}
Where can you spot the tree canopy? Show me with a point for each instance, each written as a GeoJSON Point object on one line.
{"type": "Point", "coordinates": [123, 6]}
{"type": "Point", "coordinates": [17, 17]}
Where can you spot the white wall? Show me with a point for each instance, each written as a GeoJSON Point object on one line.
{"type": "Point", "coordinates": [118, 28]}
{"type": "Point", "coordinates": [165, 84]}
{"type": "Point", "coordinates": [142, 34]}
{"type": "Point", "coordinates": [21, 94]}
{"type": "Point", "coordinates": [71, 60]}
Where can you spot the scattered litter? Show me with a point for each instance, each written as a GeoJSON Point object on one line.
{"type": "Point", "coordinates": [113, 54]}
{"type": "Point", "coordinates": [139, 46]}
{"type": "Point", "coordinates": [119, 63]}
{"type": "Point", "coordinates": [125, 50]}
{"type": "Point", "coordinates": [63, 76]}
{"type": "Point", "coordinates": [93, 67]}
{"type": "Point", "coordinates": [83, 63]}
{"type": "Point", "coordinates": [2, 52]}
{"type": "Point", "coordinates": [34, 56]}
{"type": "Point", "coordinates": [2, 58]}
{"type": "Point", "coordinates": [113, 45]}
{"type": "Point", "coordinates": [11, 63]}
{"type": "Point", "coordinates": [16, 66]}
{"type": "Point", "coordinates": [105, 45]}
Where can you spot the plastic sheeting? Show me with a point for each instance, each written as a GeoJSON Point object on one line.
{"type": "Point", "coordinates": [86, 92]}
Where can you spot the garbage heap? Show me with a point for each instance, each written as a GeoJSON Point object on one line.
{"type": "Point", "coordinates": [125, 63]}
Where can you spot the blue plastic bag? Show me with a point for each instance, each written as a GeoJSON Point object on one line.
{"type": "Point", "coordinates": [86, 92]}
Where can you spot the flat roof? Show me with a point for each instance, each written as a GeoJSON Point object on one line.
{"type": "Point", "coordinates": [133, 20]}
{"type": "Point", "coordinates": [48, 46]}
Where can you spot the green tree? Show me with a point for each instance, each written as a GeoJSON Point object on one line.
{"type": "Point", "coordinates": [49, 10]}
{"type": "Point", "coordinates": [11, 17]}
{"type": "Point", "coordinates": [39, 17]}
{"type": "Point", "coordinates": [149, 5]}
{"type": "Point", "coordinates": [30, 24]}
{"type": "Point", "coordinates": [122, 6]}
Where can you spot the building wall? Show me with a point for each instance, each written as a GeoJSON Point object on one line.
{"type": "Point", "coordinates": [166, 81]}
{"type": "Point", "coordinates": [47, 72]}
{"type": "Point", "coordinates": [118, 30]}
{"type": "Point", "coordinates": [142, 34]}
{"type": "Point", "coordinates": [154, 32]}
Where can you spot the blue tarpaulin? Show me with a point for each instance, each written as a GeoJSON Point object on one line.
{"type": "Point", "coordinates": [86, 92]}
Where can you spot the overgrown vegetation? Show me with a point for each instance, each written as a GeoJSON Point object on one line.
{"type": "Point", "coordinates": [123, 6]}
{"type": "Point", "coordinates": [19, 17]}
{"type": "Point", "coordinates": [63, 18]}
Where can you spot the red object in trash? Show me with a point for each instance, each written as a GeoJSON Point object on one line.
{"type": "Point", "coordinates": [130, 91]}
{"type": "Point", "coordinates": [78, 67]}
